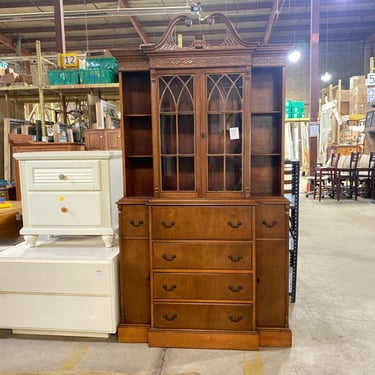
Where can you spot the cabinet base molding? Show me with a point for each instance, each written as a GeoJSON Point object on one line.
{"type": "Point", "coordinates": [203, 339]}
{"type": "Point", "coordinates": [275, 337]}
{"type": "Point", "coordinates": [132, 333]}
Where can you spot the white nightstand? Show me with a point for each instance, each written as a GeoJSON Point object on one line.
{"type": "Point", "coordinates": [70, 193]}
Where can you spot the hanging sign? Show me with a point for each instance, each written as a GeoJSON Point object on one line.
{"type": "Point", "coordinates": [69, 60]}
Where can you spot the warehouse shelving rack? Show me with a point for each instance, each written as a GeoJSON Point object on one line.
{"type": "Point", "coordinates": [291, 191]}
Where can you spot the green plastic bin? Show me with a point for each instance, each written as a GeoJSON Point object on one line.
{"type": "Point", "coordinates": [63, 77]}
{"type": "Point", "coordinates": [99, 75]}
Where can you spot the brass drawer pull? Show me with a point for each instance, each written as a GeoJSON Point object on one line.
{"type": "Point", "coordinates": [134, 224]}
{"type": "Point", "coordinates": [237, 259]}
{"type": "Point", "coordinates": [170, 225]}
{"type": "Point", "coordinates": [235, 320]}
{"type": "Point", "coordinates": [269, 225]}
{"type": "Point", "coordinates": [169, 318]}
{"type": "Point", "coordinates": [62, 176]}
{"type": "Point", "coordinates": [166, 288]}
{"type": "Point", "coordinates": [233, 289]}
{"type": "Point", "coordinates": [234, 226]}
{"type": "Point", "coordinates": [168, 258]}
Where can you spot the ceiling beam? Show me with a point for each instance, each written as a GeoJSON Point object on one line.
{"type": "Point", "coordinates": [134, 21]}
{"type": "Point", "coordinates": [272, 20]}
{"type": "Point", "coordinates": [8, 43]}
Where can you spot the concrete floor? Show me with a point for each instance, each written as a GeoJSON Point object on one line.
{"type": "Point", "coordinates": [333, 318]}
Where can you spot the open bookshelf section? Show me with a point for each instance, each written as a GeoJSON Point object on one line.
{"type": "Point", "coordinates": [266, 131]}
{"type": "Point", "coordinates": [138, 129]}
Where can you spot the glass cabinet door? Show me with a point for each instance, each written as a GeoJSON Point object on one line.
{"type": "Point", "coordinates": [215, 135]}
{"type": "Point", "coordinates": [177, 133]}
{"type": "Point", "coordinates": [224, 132]}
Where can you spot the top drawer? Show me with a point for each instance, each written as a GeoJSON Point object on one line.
{"type": "Point", "coordinates": [271, 221]}
{"type": "Point", "coordinates": [52, 175]}
{"type": "Point", "coordinates": [202, 222]}
{"type": "Point", "coordinates": [134, 221]}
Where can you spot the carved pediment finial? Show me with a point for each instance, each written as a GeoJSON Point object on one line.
{"type": "Point", "coordinates": [169, 40]}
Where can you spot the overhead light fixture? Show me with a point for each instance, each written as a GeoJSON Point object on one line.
{"type": "Point", "coordinates": [326, 77]}
{"type": "Point", "coordinates": [294, 56]}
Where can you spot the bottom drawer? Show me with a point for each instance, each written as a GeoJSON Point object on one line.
{"type": "Point", "coordinates": [203, 316]}
{"type": "Point", "coordinates": [59, 312]}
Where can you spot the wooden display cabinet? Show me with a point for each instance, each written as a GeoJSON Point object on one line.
{"type": "Point", "coordinates": [203, 222]}
{"type": "Point", "coordinates": [102, 139]}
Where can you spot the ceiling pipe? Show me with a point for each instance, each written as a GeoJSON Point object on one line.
{"type": "Point", "coordinates": [126, 12]}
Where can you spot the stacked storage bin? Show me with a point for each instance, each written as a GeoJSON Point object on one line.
{"type": "Point", "coordinates": [97, 71]}
{"type": "Point", "coordinates": [64, 77]}
{"type": "Point", "coordinates": [100, 70]}
{"type": "Point", "coordinates": [294, 110]}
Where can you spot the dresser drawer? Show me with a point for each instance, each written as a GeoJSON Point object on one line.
{"type": "Point", "coordinates": [207, 255]}
{"type": "Point", "coordinates": [271, 221]}
{"type": "Point", "coordinates": [134, 221]}
{"type": "Point", "coordinates": [198, 222]}
{"type": "Point", "coordinates": [56, 277]}
{"type": "Point", "coordinates": [215, 286]}
{"type": "Point", "coordinates": [68, 209]}
{"type": "Point", "coordinates": [47, 175]}
{"type": "Point", "coordinates": [201, 316]}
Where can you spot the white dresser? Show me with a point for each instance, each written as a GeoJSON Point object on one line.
{"type": "Point", "coordinates": [70, 193]}
{"type": "Point", "coordinates": [64, 286]}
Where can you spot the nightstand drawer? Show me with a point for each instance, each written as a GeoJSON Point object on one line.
{"type": "Point", "coordinates": [63, 175]}
{"type": "Point", "coordinates": [228, 255]}
{"type": "Point", "coordinates": [204, 316]}
{"type": "Point", "coordinates": [214, 286]}
{"type": "Point", "coordinates": [202, 222]}
{"type": "Point", "coordinates": [68, 209]}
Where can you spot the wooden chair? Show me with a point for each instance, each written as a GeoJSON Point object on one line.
{"type": "Point", "coordinates": [346, 178]}
{"type": "Point", "coordinates": [324, 178]}
{"type": "Point", "coordinates": [366, 175]}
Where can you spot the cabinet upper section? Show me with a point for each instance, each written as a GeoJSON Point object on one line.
{"type": "Point", "coordinates": [205, 119]}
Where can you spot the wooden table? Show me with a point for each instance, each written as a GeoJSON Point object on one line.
{"type": "Point", "coordinates": [10, 220]}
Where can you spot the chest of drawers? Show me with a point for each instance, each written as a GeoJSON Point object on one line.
{"type": "Point", "coordinates": [202, 271]}
{"type": "Point", "coordinates": [70, 193]}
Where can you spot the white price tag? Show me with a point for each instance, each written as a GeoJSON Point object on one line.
{"type": "Point", "coordinates": [234, 133]}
